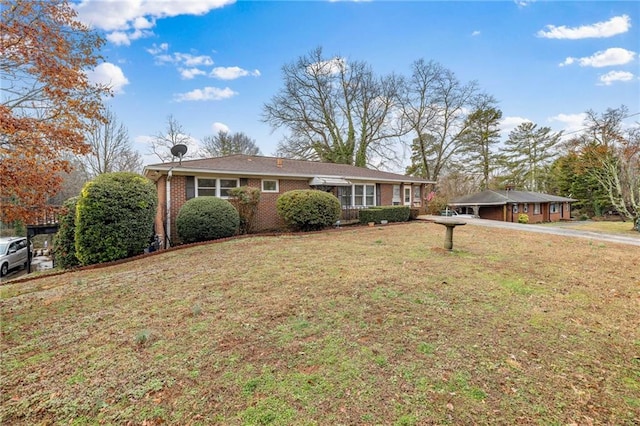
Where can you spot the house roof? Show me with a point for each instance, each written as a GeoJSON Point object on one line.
{"type": "Point", "coordinates": [253, 165]}
{"type": "Point", "coordinates": [500, 197]}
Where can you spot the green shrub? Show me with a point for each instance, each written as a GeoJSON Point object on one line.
{"type": "Point", "coordinates": [308, 209]}
{"type": "Point", "coordinates": [389, 213]}
{"type": "Point", "coordinates": [206, 218]}
{"type": "Point", "coordinates": [523, 218]}
{"type": "Point", "coordinates": [114, 217]}
{"type": "Point", "coordinates": [245, 199]}
{"type": "Point", "coordinates": [64, 242]}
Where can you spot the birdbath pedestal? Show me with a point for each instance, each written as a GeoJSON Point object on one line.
{"type": "Point", "coordinates": [450, 224]}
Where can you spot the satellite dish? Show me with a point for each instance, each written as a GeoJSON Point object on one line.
{"type": "Point", "coordinates": [178, 151]}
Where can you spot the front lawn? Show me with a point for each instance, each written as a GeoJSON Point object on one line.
{"type": "Point", "coordinates": [359, 326]}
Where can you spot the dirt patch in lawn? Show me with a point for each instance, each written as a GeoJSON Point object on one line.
{"type": "Point", "coordinates": [360, 326]}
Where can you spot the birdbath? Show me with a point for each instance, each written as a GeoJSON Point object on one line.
{"type": "Point", "coordinates": [450, 224]}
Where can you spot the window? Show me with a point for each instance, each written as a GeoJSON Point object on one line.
{"type": "Point", "coordinates": [396, 195]}
{"type": "Point", "coordinates": [363, 195]}
{"type": "Point", "coordinates": [226, 185]}
{"type": "Point", "coordinates": [407, 195]}
{"type": "Point", "coordinates": [525, 208]}
{"type": "Point", "coordinates": [553, 208]}
{"type": "Point", "coordinates": [536, 208]}
{"type": "Point", "coordinates": [344, 195]}
{"type": "Point", "coordinates": [416, 193]}
{"type": "Point", "coordinates": [214, 187]}
{"type": "Point", "coordinates": [515, 208]}
{"type": "Point", "coordinates": [269, 185]}
{"type": "Point", "coordinates": [207, 187]}
{"type": "Point", "coordinates": [370, 194]}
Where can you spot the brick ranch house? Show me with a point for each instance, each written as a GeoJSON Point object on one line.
{"type": "Point", "coordinates": [507, 205]}
{"type": "Point", "coordinates": [355, 187]}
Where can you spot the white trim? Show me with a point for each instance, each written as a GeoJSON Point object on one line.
{"type": "Point", "coordinates": [277, 181]}
{"type": "Point", "coordinates": [404, 195]}
{"type": "Point", "coordinates": [217, 188]}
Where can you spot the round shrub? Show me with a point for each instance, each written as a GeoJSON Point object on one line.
{"type": "Point", "coordinates": [64, 242]}
{"type": "Point", "coordinates": [523, 218]}
{"type": "Point", "coordinates": [114, 217]}
{"type": "Point", "coordinates": [206, 218]}
{"type": "Point", "coordinates": [308, 210]}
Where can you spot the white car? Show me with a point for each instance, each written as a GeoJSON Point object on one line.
{"type": "Point", "coordinates": [14, 253]}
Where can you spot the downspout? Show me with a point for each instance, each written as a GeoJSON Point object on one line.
{"type": "Point", "coordinates": [167, 231]}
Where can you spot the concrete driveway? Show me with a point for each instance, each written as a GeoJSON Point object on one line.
{"type": "Point", "coordinates": [544, 229]}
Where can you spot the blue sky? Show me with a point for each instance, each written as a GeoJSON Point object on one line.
{"type": "Point", "coordinates": [213, 64]}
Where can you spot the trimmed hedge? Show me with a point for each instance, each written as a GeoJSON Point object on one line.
{"type": "Point", "coordinates": [308, 209]}
{"type": "Point", "coordinates": [114, 217]}
{"type": "Point", "coordinates": [64, 242]}
{"type": "Point", "coordinates": [389, 213]}
{"type": "Point", "coordinates": [206, 218]}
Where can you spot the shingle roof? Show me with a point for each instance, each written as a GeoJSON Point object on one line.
{"type": "Point", "coordinates": [252, 165]}
{"type": "Point", "coordinates": [500, 197]}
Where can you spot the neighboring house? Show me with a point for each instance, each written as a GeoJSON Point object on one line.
{"type": "Point", "coordinates": [507, 205]}
{"type": "Point", "coordinates": [355, 187]}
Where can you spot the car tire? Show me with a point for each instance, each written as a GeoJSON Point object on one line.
{"type": "Point", "coordinates": [4, 270]}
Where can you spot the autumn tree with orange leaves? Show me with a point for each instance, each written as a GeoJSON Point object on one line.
{"type": "Point", "coordinates": [46, 100]}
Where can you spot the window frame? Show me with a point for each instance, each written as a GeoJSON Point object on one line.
{"type": "Point", "coordinates": [407, 200]}
{"type": "Point", "coordinates": [536, 208]}
{"type": "Point", "coordinates": [553, 208]}
{"type": "Point", "coordinates": [277, 182]}
{"type": "Point", "coordinates": [218, 187]}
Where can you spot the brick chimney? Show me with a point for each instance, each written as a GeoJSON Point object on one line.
{"type": "Point", "coordinates": [279, 163]}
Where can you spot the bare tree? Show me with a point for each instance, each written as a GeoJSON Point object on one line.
{"type": "Point", "coordinates": [111, 149]}
{"type": "Point", "coordinates": [618, 158]}
{"type": "Point", "coordinates": [227, 144]}
{"type": "Point", "coordinates": [434, 105]}
{"type": "Point", "coordinates": [173, 134]}
{"type": "Point", "coordinates": [335, 110]}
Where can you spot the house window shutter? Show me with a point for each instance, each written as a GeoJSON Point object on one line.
{"type": "Point", "coordinates": [244, 181]}
{"type": "Point", "coordinates": [191, 187]}
{"type": "Point", "coordinates": [378, 195]}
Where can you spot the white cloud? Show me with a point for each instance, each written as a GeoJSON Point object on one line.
{"type": "Point", "coordinates": [614, 26]}
{"type": "Point", "coordinates": [509, 123]}
{"type": "Point", "coordinates": [157, 49]}
{"type": "Point", "coordinates": [110, 75]}
{"type": "Point", "coordinates": [207, 94]}
{"type": "Point", "coordinates": [190, 73]}
{"type": "Point", "coordinates": [523, 3]}
{"type": "Point", "coordinates": [119, 38]}
{"type": "Point", "coordinates": [220, 127]}
{"type": "Point", "coordinates": [606, 58]}
{"type": "Point", "coordinates": [231, 73]}
{"type": "Point", "coordinates": [475, 33]}
{"type": "Point", "coordinates": [612, 76]}
{"type": "Point", "coordinates": [192, 61]}
{"type": "Point", "coordinates": [138, 15]}
{"type": "Point", "coordinates": [570, 123]}
{"type": "Point", "coordinates": [332, 66]}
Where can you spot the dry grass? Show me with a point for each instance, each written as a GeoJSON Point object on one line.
{"type": "Point", "coordinates": [360, 326]}
{"type": "Point", "coordinates": [603, 227]}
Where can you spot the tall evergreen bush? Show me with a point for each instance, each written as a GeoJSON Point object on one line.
{"type": "Point", "coordinates": [64, 242]}
{"type": "Point", "coordinates": [115, 216]}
